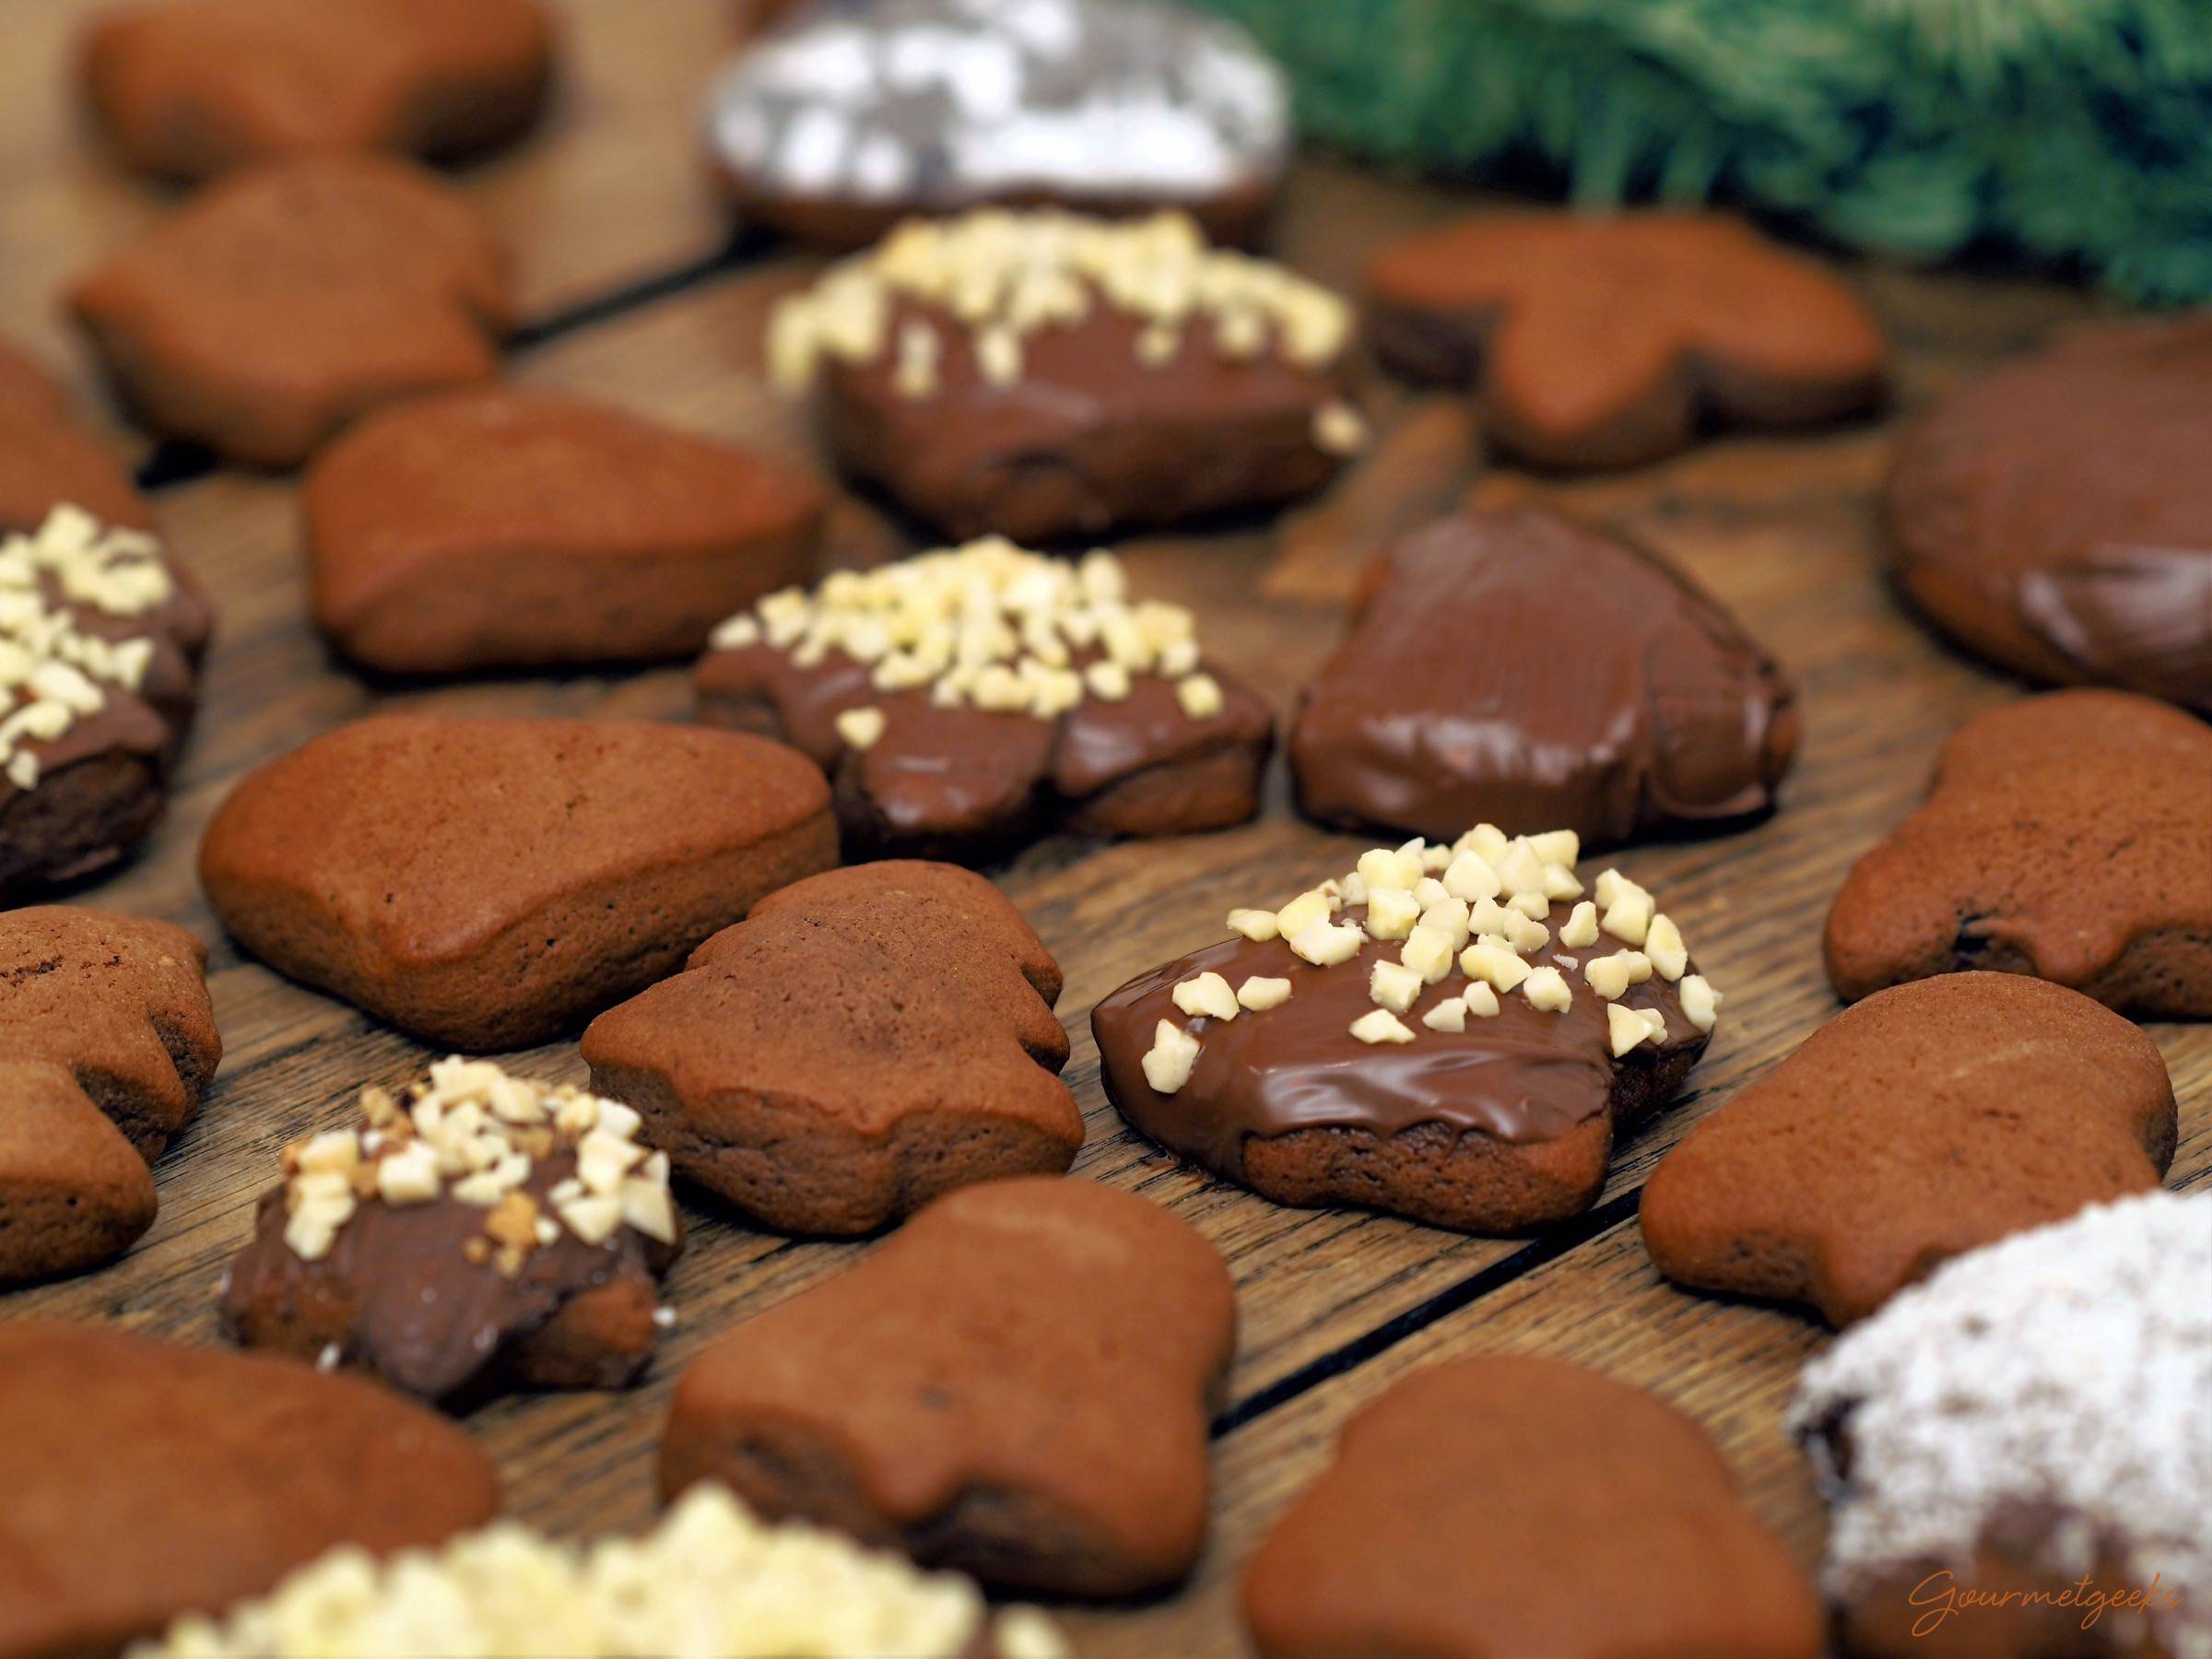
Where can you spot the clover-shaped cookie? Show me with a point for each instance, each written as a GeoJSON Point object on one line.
{"type": "Point", "coordinates": [2055, 516]}
{"type": "Point", "coordinates": [869, 1039]}
{"type": "Point", "coordinates": [109, 1042]}
{"type": "Point", "coordinates": [190, 87]}
{"type": "Point", "coordinates": [47, 462]}
{"type": "Point", "coordinates": [1603, 341]}
{"type": "Point", "coordinates": [1609, 695]}
{"type": "Point", "coordinates": [1512, 1505]}
{"type": "Point", "coordinates": [1016, 1385]}
{"type": "Point", "coordinates": [2068, 836]}
{"type": "Point", "coordinates": [142, 1481]}
{"type": "Point", "coordinates": [477, 1229]}
{"type": "Point", "coordinates": [275, 306]}
{"type": "Point", "coordinates": [101, 640]}
{"type": "Point", "coordinates": [1046, 376]}
{"type": "Point", "coordinates": [1931, 1119]}
{"type": "Point", "coordinates": [1450, 1032]}
{"type": "Point", "coordinates": [965, 700]}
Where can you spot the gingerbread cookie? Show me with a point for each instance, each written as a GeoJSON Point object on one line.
{"type": "Point", "coordinates": [140, 1481]}
{"type": "Point", "coordinates": [47, 462]}
{"type": "Point", "coordinates": [1454, 1033]}
{"type": "Point", "coordinates": [1929, 1120]}
{"type": "Point", "coordinates": [2056, 517]}
{"type": "Point", "coordinates": [277, 306]}
{"type": "Point", "coordinates": [1606, 341]}
{"type": "Point", "coordinates": [477, 1230]}
{"type": "Point", "coordinates": [1608, 694]}
{"type": "Point", "coordinates": [965, 700]}
{"type": "Point", "coordinates": [711, 1577]}
{"type": "Point", "coordinates": [101, 639]}
{"type": "Point", "coordinates": [854, 116]}
{"type": "Point", "coordinates": [2029, 1424]}
{"type": "Point", "coordinates": [188, 88]}
{"type": "Point", "coordinates": [1016, 1386]}
{"type": "Point", "coordinates": [869, 1039]}
{"type": "Point", "coordinates": [491, 883]}
{"type": "Point", "coordinates": [1043, 376]}
{"type": "Point", "coordinates": [2068, 836]}
{"type": "Point", "coordinates": [511, 528]}
{"type": "Point", "coordinates": [1509, 1505]}
{"type": "Point", "coordinates": [108, 1041]}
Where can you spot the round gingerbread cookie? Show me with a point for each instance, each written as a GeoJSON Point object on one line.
{"type": "Point", "coordinates": [852, 116]}
{"type": "Point", "coordinates": [2056, 517]}
{"type": "Point", "coordinates": [2031, 1424]}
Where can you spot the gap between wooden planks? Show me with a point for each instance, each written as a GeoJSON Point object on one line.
{"type": "Point", "coordinates": [1334, 1305]}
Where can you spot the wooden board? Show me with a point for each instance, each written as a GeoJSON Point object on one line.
{"type": "Point", "coordinates": [1334, 1305]}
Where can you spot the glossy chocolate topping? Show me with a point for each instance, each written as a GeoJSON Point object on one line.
{"type": "Point", "coordinates": [2057, 516]}
{"type": "Point", "coordinates": [1523, 1074]}
{"type": "Point", "coordinates": [1518, 667]}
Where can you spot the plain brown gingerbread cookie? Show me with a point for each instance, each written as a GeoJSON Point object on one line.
{"type": "Point", "coordinates": [1605, 341]}
{"type": "Point", "coordinates": [2068, 836]}
{"type": "Point", "coordinates": [279, 304]}
{"type": "Point", "coordinates": [1611, 695]}
{"type": "Point", "coordinates": [73, 1192]}
{"type": "Point", "coordinates": [473, 1231]}
{"type": "Point", "coordinates": [868, 1039]}
{"type": "Point", "coordinates": [2055, 516]}
{"type": "Point", "coordinates": [1016, 1386]}
{"type": "Point", "coordinates": [1496, 1507]}
{"type": "Point", "coordinates": [188, 88]}
{"type": "Point", "coordinates": [492, 883]}
{"type": "Point", "coordinates": [508, 527]}
{"type": "Point", "coordinates": [47, 461]}
{"type": "Point", "coordinates": [1121, 374]}
{"type": "Point", "coordinates": [143, 1479]}
{"type": "Point", "coordinates": [1929, 1120]}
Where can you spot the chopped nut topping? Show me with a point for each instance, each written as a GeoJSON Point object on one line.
{"type": "Point", "coordinates": [1481, 999]}
{"type": "Point", "coordinates": [1208, 994]}
{"type": "Point", "coordinates": [1379, 1025]}
{"type": "Point", "coordinates": [1325, 945]}
{"type": "Point", "coordinates": [1394, 986]}
{"type": "Point", "coordinates": [1701, 1002]}
{"type": "Point", "coordinates": [1258, 926]}
{"type": "Point", "coordinates": [1301, 913]}
{"type": "Point", "coordinates": [1451, 1015]}
{"type": "Point", "coordinates": [1611, 976]}
{"type": "Point", "coordinates": [1391, 911]}
{"type": "Point", "coordinates": [1581, 927]}
{"type": "Point", "coordinates": [1547, 988]}
{"type": "Point", "coordinates": [1200, 695]}
{"type": "Point", "coordinates": [1169, 1061]}
{"type": "Point", "coordinates": [860, 728]}
{"type": "Point", "coordinates": [1495, 965]}
{"type": "Point", "coordinates": [1001, 276]}
{"type": "Point", "coordinates": [1662, 943]}
{"type": "Point", "coordinates": [1339, 429]}
{"type": "Point", "coordinates": [1260, 994]}
{"type": "Point", "coordinates": [1626, 1027]}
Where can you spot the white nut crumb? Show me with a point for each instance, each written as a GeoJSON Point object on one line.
{"type": "Point", "coordinates": [1311, 906]}
{"type": "Point", "coordinates": [1494, 965]}
{"type": "Point", "coordinates": [1662, 943]}
{"type": "Point", "coordinates": [1199, 696]}
{"type": "Point", "coordinates": [1562, 847]}
{"type": "Point", "coordinates": [1258, 926]}
{"type": "Point", "coordinates": [1391, 912]}
{"type": "Point", "coordinates": [1624, 1028]}
{"type": "Point", "coordinates": [1379, 1025]}
{"type": "Point", "coordinates": [1427, 952]}
{"type": "Point", "coordinates": [1469, 877]}
{"type": "Point", "coordinates": [1394, 986]}
{"type": "Point", "coordinates": [860, 728]}
{"type": "Point", "coordinates": [1339, 429]}
{"type": "Point", "coordinates": [1260, 994]}
{"type": "Point", "coordinates": [1481, 1000]}
{"type": "Point", "coordinates": [1547, 988]}
{"type": "Point", "coordinates": [1207, 995]}
{"type": "Point", "coordinates": [1169, 1061]}
{"type": "Point", "coordinates": [1325, 944]}
{"type": "Point", "coordinates": [1701, 1002]}
{"type": "Point", "coordinates": [1451, 1015]}
{"type": "Point", "coordinates": [1629, 917]}
{"type": "Point", "coordinates": [1581, 927]}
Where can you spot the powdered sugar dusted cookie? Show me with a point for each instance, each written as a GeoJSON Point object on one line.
{"type": "Point", "coordinates": [477, 1229]}
{"type": "Point", "coordinates": [867, 1040]}
{"type": "Point", "coordinates": [857, 114]}
{"type": "Point", "coordinates": [1454, 1032]}
{"type": "Point", "coordinates": [101, 639]}
{"type": "Point", "coordinates": [1016, 1385]}
{"type": "Point", "coordinates": [1927, 1120]}
{"type": "Point", "coordinates": [1044, 375]}
{"type": "Point", "coordinates": [965, 700]}
{"type": "Point", "coordinates": [710, 1579]}
{"type": "Point", "coordinates": [2068, 836]}
{"type": "Point", "coordinates": [2029, 1420]}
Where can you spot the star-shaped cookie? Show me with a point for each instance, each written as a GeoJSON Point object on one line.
{"type": "Point", "coordinates": [1605, 341]}
{"type": "Point", "coordinates": [2068, 836]}
{"type": "Point", "coordinates": [1931, 1119]}
{"type": "Point", "coordinates": [110, 1041]}
{"type": "Point", "coordinates": [867, 1040]}
{"type": "Point", "coordinates": [1016, 1386]}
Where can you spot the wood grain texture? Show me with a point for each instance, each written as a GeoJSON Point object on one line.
{"type": "Point", "coordinates": [1334, 1305]}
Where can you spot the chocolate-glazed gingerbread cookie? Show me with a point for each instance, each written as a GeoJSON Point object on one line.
{"type": "Point", "coordinates": [1041, 375]}
{"type": "Point", "coordinates": [478, 1228]}
{"type": "Point", "coordinates": [2056, 517]}
{"type": "Point", "coordinates": [1453, 1033]}
{"type": "Point", "coordinates": [101, 639]}
{"type": "Point", "coordinates": [1518, 668]}
{"type": "Point", "coordinates": [965, 700]}
{"type": "Point", "coordinates": [859, 113]}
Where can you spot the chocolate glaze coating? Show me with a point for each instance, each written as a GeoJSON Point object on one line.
{"type": "Point", "coordinates": [401, 1302]}
{"type": "Point", "coordinates": [1519, 668]}
{"type": "Point", "coordinates": [2056, 517]}
{"type": "Point", "coordinates": [1089, 438]}
{"type": "Point", "coordinates": [1499, 1127]}
{"type": "Point", "coordinates": [966, 784]}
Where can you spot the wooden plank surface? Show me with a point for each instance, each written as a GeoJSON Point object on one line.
{"type": "Point", "coordinates": [1334, 1305]}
